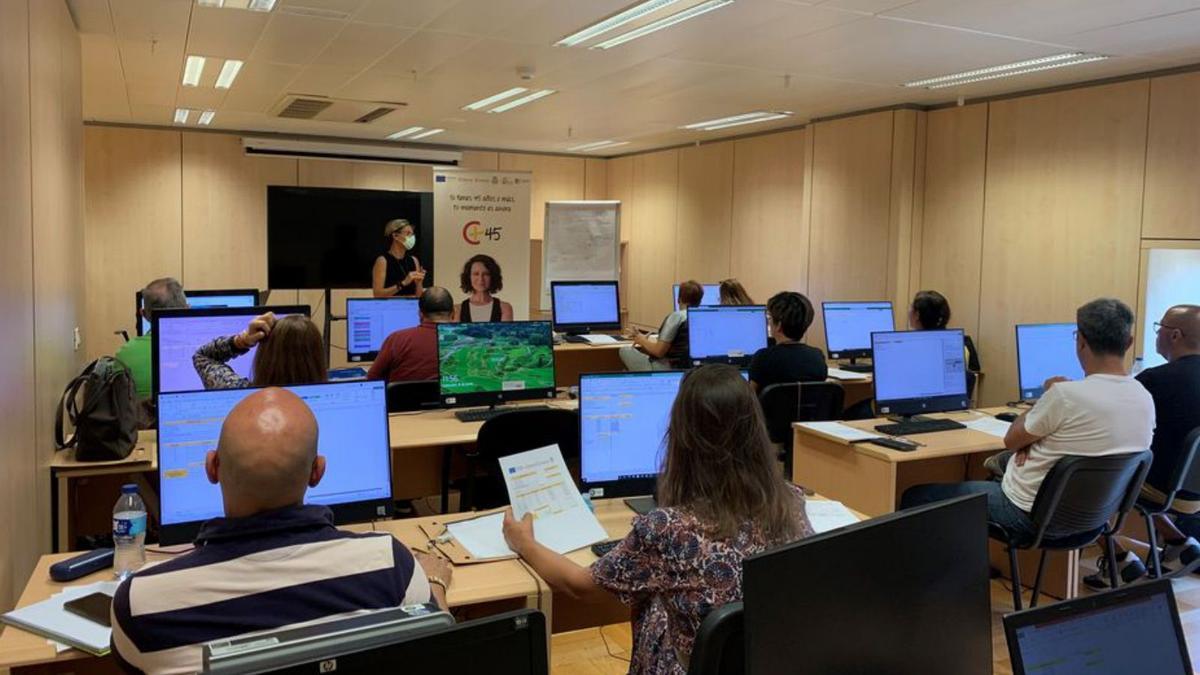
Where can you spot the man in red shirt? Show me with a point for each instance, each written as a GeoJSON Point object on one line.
{"type": "Point", "coordinates": [412, 354]}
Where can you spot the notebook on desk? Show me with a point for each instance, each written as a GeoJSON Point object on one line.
{"type": "Point", "coordinates": [50, 619]}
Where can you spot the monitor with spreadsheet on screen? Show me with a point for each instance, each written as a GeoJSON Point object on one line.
{"type": "Point", "coordinates": [235, 297]}
{"type": "Point", "coordinates": [1045, 350]}
{"type": "Point", "coordinates": [370, 320]}
{"type": "Point", "coordinates": [919, 371]}
{"type": "Point", "coordinates": [848, 326]}
{"type": "Point", "coordinates": [353, 437]}
{"type": "Point", "coordinates": [585, 306]}
{"type": "Point", "coordinates": [712, 295]}
{"type": "Point", "coordinates": [727, 333]}
{"type": "Point", "coordinates": [178, 333]}
{"type": "Point", "coordinates": [490, 363]}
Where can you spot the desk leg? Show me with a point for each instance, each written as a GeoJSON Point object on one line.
{"type": "Point", "coordinates": [63, 517]}
{"type": "Point", "coordinates": [446, 457]}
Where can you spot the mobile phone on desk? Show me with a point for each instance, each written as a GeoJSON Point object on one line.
{"type": "Point", "coordinates": [96, 607]}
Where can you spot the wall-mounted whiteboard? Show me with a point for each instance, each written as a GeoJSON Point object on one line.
{"type": "Point", "coordinates": [581, 242]}
{"type": "Point", "coordinates": [1172, 278]}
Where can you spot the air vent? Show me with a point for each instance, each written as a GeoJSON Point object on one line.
{"type": "Point", "coordinates": [374, 115]}
{"type": "Point", "coordinates": [305, 108]}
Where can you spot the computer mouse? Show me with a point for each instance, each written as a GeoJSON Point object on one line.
{"type": "Point", "coordinates": [1006, 416]}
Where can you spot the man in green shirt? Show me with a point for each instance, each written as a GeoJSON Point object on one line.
{"type": "Point", "coordinates": [165, 293]}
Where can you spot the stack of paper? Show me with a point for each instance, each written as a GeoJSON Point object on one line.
{"type": "Point", "coordinates": [989, 425]}
{"type": "Point", "coordinates": [842, 432]}
{"type": "Point", "coordinates": [826, 515]}
{"type": "Point", "coordinates": [847, 375]}
{"type": "Point", "coordinates": [50, 619]}
{"type": "Point", "coordinates": [600, 339]}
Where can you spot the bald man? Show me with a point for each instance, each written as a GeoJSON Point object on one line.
{"type": "Point", "coordinates": [272, 562]}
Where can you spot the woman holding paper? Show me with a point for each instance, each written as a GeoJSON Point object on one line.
{"type": "Point", "coordinates": [721, 498]}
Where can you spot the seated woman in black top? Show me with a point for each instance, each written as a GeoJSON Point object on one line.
{"type": "Point", "coordinates": [788, 360]}
{"type": "Point", "coordinates": [930, 310]}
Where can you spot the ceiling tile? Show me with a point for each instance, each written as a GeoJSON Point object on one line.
{"type": "Point", "coordinates": [225, 32]}
{"type": "Point", "coordinates": [259, 86]}
{"type": "Point", "coordinates": [481, 18]}
{"type": "Point", "coordinates": [148, 20]}
{"type": "Point", "coordinates": [295, 39]}
{"type": "Point", "coordinates": [1174, 34]}
{"type": "Point", "coordinates": [343, 9]}
{"type": "Point", "coordinates": [410, 13]}
{"type": "Point", "coordinates": [322, 80]}
{"type": "Point", "coordinates": [863, 6]}
{"type": "Point", "coordinates": [424, 51]}
{"type": "Point", "coordinates": [360, 45]}
{"type": "Point", "coordinates": [91, 16]}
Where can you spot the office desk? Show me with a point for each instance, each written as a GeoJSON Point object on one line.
{"type": "Point", "coordinates": [64, 468]}
{"type": "Point", "coordinates": [857, 391]}
{"type": "Point", "coordinates": [573, 359]}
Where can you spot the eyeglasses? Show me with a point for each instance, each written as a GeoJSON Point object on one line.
{"type": "Point", "coordinates": [1158, 326]}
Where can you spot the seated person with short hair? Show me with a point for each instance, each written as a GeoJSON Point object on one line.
{"type": "Point", "coordinates": [272, 562]}
{"type": "Point", "coordinates": [411, 354]}
{"type": "Point", "coordinates": [165, 293]}
{"type": "Point", "coordinates": [1106, 413]}
{"type": "Point", "coordinates": [671, 348]}
{"type": "Point", "coordinates": [789, 315]}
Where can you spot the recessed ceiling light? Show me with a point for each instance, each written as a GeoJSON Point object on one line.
{"type": "Point", "coordinates": [181, 115]}
{"type": "Point", "coordinates": [738, 120]}
{"type": "Point", "coordinates": [406, 132]}
{"type": "Point", "coordinates": [229, 73]}
{"type": "Point", "coordinates": [192, 70]}
{"type": "Point", "coordinates": [425, 134]}
{"type": "Point", "coordinates": [615, 21]}
{"type": "Point", "coordinates": [1007, 70]}
{"type": "Point", "coordinates": [494, 98]}
{"type": "Point", "coordinates": [528, 98]}
{"type": "Point", "coordinates": [596, 146]}
{"type": "Point", "coordinates": [206, 117]}
{"type": "Point", "coordinates": [261, 5]}
{"type": "Point", "coordinates": [211, 3]}
{"type": "Point", "coordinates": [665, 22]}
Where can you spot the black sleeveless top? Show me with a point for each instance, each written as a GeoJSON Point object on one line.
{"type": "Point", "coordinates": [464, 313]}
{"type": "Point", "coordinates": [397, 269]}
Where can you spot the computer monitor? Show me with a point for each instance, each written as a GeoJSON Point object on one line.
{"type": "Point", "coordinates": [919, 371]}
{"type": "Point", "coordinates": [178, 333]}
{"type": "Point", "coordinates": [1133, 629]}
{"type": "Point", "coordinates": [490, 363]}
{"type": "Point", "coordinates": [235, 297]}
{"type": "Point", "coordinates": [848, 326]}
{"type": "Point", "coordinates": [712, 295]}
{"type": "Point", "coordinates": [1045, 350]}
{"type": "Point", "coordinates": [353, 437]}
{"type": "Point", "coordinates": [513, 643]}
{"type": "Point", "coordinates": [726, 333]}
{"type": "Point", "coordinates": [927, 611]}
{"type": "Point", "coordinates": [370, 320]}
{"type": "Point", "coordinates": [584, 306]}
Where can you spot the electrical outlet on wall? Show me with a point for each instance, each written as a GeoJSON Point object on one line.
{"type": "Point", "coordinates": [78, 338]}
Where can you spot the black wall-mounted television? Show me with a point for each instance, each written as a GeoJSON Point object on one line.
{"type": "Point", "coordinates": [330, 237]}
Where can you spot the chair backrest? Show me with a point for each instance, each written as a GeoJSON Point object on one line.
{"type": "Point", "coordinates": [412, 395]}
{"type": "Point", "coordinates": [1186, 473]}
{"type": "Point", "coordinates": [517, 431]}
{"type": "Point", "coordinates": [790, 402]}
{"type": "Point", "coordinates": [720, 643]}
{"type": "Point", "coordinates": [1081, 494]}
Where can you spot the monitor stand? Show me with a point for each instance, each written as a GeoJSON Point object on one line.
{"type": "Point", "coordinates": [856, 367]}
{"type": "Point", "coordinates": [641, 505]}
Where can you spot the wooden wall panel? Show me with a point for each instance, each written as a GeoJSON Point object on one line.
{"type": "Point", "coordinates": [480, 159]}
{"type": "Point", "coordinates": [133, 232]}
{"type": "Point", "coordinates": [851, 207]}
{"type": "Point", "coordinates": [418, 178]}
{"type": "Point", "coordinates": [357, 175]}
{"type": "Point", "coordinates": [554, 178]}
{"type": "Point", "coordinates": [1062, 213]}
{"type": "Point", "coordinates": [17, 410]}
{"type": "Point", "coordinates": [619, 181]}
{"type": "Point", "coordinates": [703, 230]}
{"type": "Point", "coordinates": [952, 234]}
{"type": "Point", "coordinates": [652, 241]}
{"type": "Point", "coordinates": [1172, 208]}
{"type": "Point", "coordinates": [769, 246]}
{"type": "Point", "coordinates": [904, 219]}
{"type": "Point", "coordinates": [595, 178]}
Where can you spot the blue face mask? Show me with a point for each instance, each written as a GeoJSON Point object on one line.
{"type": "Point", "coordinates": [410, 242]}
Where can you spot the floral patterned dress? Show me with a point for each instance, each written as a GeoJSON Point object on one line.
{"type": "Point", "coordinates": [671, 574]}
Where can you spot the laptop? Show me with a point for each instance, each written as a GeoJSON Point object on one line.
{"type": "Point", "coordinates": [1134, 629]}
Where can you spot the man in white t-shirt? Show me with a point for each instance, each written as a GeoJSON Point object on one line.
{"type": "Point", "coordinates": [1106, 413]}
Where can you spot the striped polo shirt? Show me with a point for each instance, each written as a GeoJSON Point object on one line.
{"type": "Point", "coordinates": [270, 571]}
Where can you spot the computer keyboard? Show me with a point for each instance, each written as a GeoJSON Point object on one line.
{"type": "Point", "coordinates": [918, 427]}
{"type": "Point", "coordinates": [485, 414]}
{"type": "Point", "coordinates": [857, 367]}
{"type": "Point", "coordinates": [604, 547]}
{"type": "Point", "coordinates": [575, 339]}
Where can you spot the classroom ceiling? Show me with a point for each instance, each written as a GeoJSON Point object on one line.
{"type": "Point", "coordinates": [814, 59]}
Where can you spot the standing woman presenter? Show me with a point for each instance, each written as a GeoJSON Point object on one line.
{"type": "Point", "coordinates": [398, 272]}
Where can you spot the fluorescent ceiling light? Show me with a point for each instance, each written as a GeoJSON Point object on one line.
{"type": "Point", "coordinates": [425, 134]}
{"type": "Point", "coordinates": [665, 22]}
{"type": "Point", "coordinates": [737, 120]}
{"type": "Point", "coordinates": [615, 21]}
{"type": "Point", "coordinates": [229, 73]}
{"type": "Point", "coordinates": [181, 115]}
{"type": "Point", "coordinates": [1007, 70]}
{"type": "Point", "coordinates": [206, 117]}
{"type": "Point", "coordinates": [528, 98]}
{"type": "Point", "coordinates": [597, 145]}
{"type": "Point", "coordinates": [211, 3]}
{"type": "Point", "coordinates": [495, 98]}
{"type": "Point", "coordinates": [192, 70]}
{"type": "Point", "coordinates": [262, 5]}
{"type": "Point", "coordinates": [407, 132]}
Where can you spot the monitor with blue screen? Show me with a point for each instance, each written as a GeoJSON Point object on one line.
{"type": "Point", "coordinates": [178, 333]}
{"type": "Point", "coordinates": [921, 371]}
{"type": "Point", "coordinates": [234, 297]}
{"type": "Point", "coordinates": [353, 437]}
{"type": "Point", "coordinates": [712, 295]}
{"type": "Point", "coordinates": [370, 320]}
{"type": "Point", "coordinates": [726, 334]}
{"type": "Point", "coordinates": [1045, 350]}
{"type": "Point", "coordinates": [848, 326]}
{"type": "Point", "coordinates": [584, 306]}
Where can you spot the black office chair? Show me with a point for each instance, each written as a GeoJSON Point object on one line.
{"type": "Point", "coordinates": [1185, 475]}
{"type": "Point", "coordinates": [1073, 507]}
{"type": "Point", "coordinates": [720, 648]}
{"type": "Point", "coordinates": [785, 403]}
{"type": "Point", "coordinates": [971, 377]}
{"type": "Point", "coordinates": [507, 434]}
{"type": "Point", "coordinates": [412, 395]}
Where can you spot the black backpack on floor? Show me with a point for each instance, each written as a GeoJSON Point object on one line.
{"type": "Point", "coordinates": [106, 421]}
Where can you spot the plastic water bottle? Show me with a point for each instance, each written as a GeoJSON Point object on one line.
{"type": "Point", "coordinates": [129, 532]}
